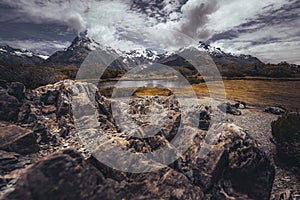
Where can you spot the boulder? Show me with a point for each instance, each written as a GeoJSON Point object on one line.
{"type": "Point", "coordinates": [286, 132]}
{"type": "Point", "coordinates": [17, 90]}
{"type": "Point", "coordinates": [11, 96]}
{"type": "Point", "coordinates": [17, 139]}
{"type": "Point", "coordinates": [10, 161]}
{"type": "Point", "coordinates": [275, 110]}
{"type": "Point", "coordinates": [11, 166]}
{"type": "Point", "coordinates": [9, 107]}
{"type": "Point", "coordinates": [163, 184]}
{"type": "Point", "coordinates": [228, 108]}
{"type": "Point", "coordinates": [225, 169]}
{"type": "Point", "coordinates": [63, 175]}
{"type": "Point", "coordinates": [3, 84]}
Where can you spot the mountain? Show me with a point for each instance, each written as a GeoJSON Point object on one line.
{"type": "Point", "coordinates": [12, 56]}
{"type": "Point", "coordinates": [82, 46]}
{"type": "Point", "coordinates": [74, 54]}
{"type": "Point", "coordinates": [218, 56]}
{"type": "Point", "coordinates": [221, 58]}
{"type": "Point", "coordinates": [228, 64]}
{"type": "Point", "coordinates": [67, 61]}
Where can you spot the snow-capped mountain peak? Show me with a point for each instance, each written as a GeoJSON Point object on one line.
{"type": "Point", "coordinates": [202, 47]}
{"type": "Point", "coordinates": [12, 56]}
{"type": "Point", "coordinates": [142, 53]}
{"type": "Point", "coordinates": [83, 42]}
{"type": "Point", "coordinates": [210, 49]}
{"type": "Point", "coordinates": [20, 52]}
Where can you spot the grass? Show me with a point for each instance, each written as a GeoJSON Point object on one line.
{"type": "Point", "coordinates": [152, 91]}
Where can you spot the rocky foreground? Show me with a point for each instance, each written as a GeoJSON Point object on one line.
{"type": "Point", "coordinates": [46, 155]}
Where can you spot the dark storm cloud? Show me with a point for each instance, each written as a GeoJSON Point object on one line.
{"type": "Point", "coordinates": [26, 31]}
{"type": "Point", "coordinates": [161, 10]}
{"type": "Point", "coordinates": [195, 16]}
{"type": "Point", "coordinates": [20, 32]}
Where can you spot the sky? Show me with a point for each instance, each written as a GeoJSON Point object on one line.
{"type": "Point", "coordinates": [267, 29]}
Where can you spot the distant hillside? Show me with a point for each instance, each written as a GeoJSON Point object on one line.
{"type": "Point", "coordinates": [35, 70]}
{"type": "Point", "coordinates": [231, 65]}
{"type": "Point", "coordinates": [12, 56]}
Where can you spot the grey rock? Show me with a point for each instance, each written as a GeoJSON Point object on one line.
{"type": "Point", "coordinates": [275, 110]}
{"type": "Point", "coordinates": [228, 108]}
{"type": "Point", "coordinates": [17, 139]}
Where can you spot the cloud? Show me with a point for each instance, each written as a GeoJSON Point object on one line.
{"type": "Point", "coordinates": [39, 11]}
{"type": "Point", "coordinates": [104, 19]}
{"type": "Point", "coordinates": [237, 25]}
{"type": "Point", "coordinates": [232, 13]}
{"type": "Point", "coordinates": [101, 19]}
{"type": "Point", "coordinates": [272, 36]}
{"type": "Point", "coordinates": [195, 16]}
{"type": "Point", "coordinates": [76, 22]}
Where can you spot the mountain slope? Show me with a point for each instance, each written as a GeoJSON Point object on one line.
{"type": "Point", "coordinates": [12, 56]}
{"type": "Point", "coordinates": [218, 56]}
{"type": "Point", "coordinates": [227, 63]}
{"type": "Point", "coordinates": [80, 48]}
{"type": "Point", "coordinates": [221, 58]}
{"type": "Point", "coordinates": [74, 54]}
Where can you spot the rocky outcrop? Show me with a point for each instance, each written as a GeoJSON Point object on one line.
{"type": "Point", "coordinates": [211, 168]}
{"type": "Point", "coordinates": [66, 175]}
{"type": "Point", "coordinates": [219, 168]}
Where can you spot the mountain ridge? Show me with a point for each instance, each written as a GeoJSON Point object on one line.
{"type": "Point", "coordinates": [82, 46]}
{"type": "Point", "coordinates": [13, 56]}
{"type": "Point", "coordinates": [229, 65]}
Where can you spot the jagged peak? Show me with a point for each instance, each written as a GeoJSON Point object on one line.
{"type": "Point", "coordinates": [209, 48]}
{"type": "Point", "coordinates": [83, 42]}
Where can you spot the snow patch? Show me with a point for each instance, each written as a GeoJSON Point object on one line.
{"type": "Point", "coordinates": [3, 50]}
{"type": "Point", "coordinates": [20, 53]}
{"type": "Point", "coordinates": [43, 57]}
